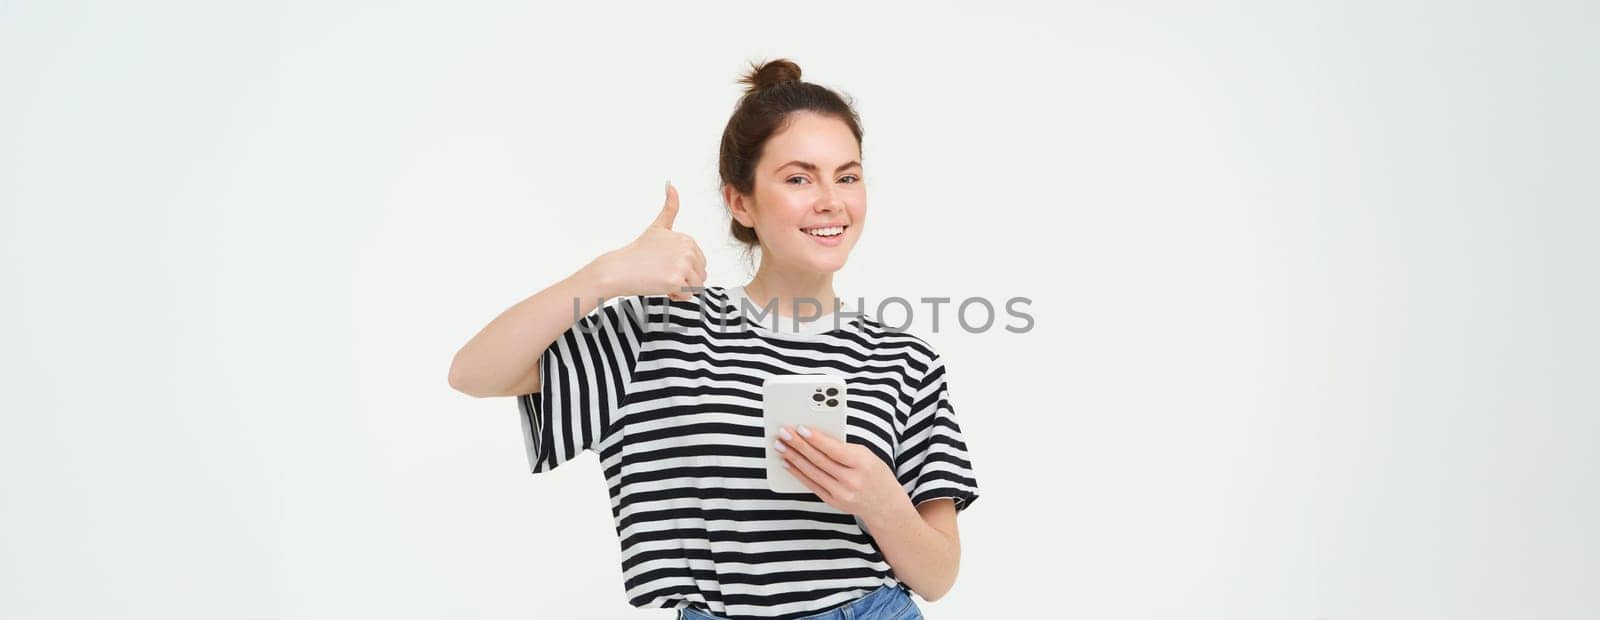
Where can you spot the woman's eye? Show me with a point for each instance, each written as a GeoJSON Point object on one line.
{"type": "Point", "coordinates": [853, 178]}
{"type": "Point", "coordinates": [791, 179]}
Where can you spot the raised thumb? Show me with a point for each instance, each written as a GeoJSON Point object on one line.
{"type": "Point", "coordinates": [669, 211]}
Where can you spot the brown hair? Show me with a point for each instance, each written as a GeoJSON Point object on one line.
{"type": "Point", "coordinates": [773, 92]}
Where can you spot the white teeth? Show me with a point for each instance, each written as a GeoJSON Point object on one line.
{"type": "Point", "coordinates": [830, 231]}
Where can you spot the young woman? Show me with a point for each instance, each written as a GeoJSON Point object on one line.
{"type": "Point", "coordinates": [664, 383]}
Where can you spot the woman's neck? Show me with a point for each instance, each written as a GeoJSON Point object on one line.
{"type": "Point", "coordinates": [770, 285]}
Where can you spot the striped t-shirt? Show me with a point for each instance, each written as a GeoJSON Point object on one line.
{"type": "Point", "coordinates": [668, 394]}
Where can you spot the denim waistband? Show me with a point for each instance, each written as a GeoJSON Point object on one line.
{"type": "Point", "coordinates": [886, 602]}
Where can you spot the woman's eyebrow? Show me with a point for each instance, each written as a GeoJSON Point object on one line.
{"type": "Point", "coordinates": [813, 167]}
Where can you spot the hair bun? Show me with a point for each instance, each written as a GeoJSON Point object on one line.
{"type": "Point", "coordinates": [769, 74]}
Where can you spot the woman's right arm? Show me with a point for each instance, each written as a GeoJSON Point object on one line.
{"type": "Point", "coordinates": [503, 358]}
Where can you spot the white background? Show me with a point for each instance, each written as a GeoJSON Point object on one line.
{"type": "Point", "coordinates": [1314, 288]}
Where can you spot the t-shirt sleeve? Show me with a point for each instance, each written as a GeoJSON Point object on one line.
{"type": "Point", "coordinates": [932, 460]}
{"type": "Point", "coordinates": [583, 379]}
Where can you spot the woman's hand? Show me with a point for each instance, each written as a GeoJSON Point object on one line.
{"type": "Point", "coordinates": [847, 476]}
{"type": "Point", "coordinates": [660, 262]}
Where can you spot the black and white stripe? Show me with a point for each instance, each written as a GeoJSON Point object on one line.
{"type": "Point", "coordinates": [675, 416]}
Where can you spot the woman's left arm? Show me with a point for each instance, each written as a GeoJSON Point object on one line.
{"type": "Point", "coordinates": [921, 543]}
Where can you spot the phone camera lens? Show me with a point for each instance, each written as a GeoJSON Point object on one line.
{"type": "Point", "coordinates": [833, 392]}
{"type": "Point", "coordinates": [816, 397]}
{"type": "Point", "coordinates": [833, 403]}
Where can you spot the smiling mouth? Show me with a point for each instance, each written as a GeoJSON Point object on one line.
{"type": "Point", "coordinates": [826, 232]}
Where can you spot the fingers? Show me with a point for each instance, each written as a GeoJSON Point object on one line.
{"type": "Point", "coordinates": [699, 267]}
{"type": "Point", "coordinates": [693, 268]}
{"type": "Point", "coordinates": [834, 449]}
{"type": "Point", "coordinates": [669, 211]}
{"type": "Point", "coordinates": [693, 277]}
{"type": "Point", "coordinates": [695, 263]}
{"type": "Point", "coordinates": [806, 448]}
{"type": "Point", "coordinates": [700, 260]}
{"type": "Point", "coordinates": [682, 291]}
{"type": "Point", "coordinates": [804, 465]}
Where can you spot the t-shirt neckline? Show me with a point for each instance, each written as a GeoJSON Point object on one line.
{"type": "Point", "coordinates": [786, 324]}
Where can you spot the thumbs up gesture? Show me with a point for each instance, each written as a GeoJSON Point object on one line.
{"type": "Point", "coordinates": [660, 261]}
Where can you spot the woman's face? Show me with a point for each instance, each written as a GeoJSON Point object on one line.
{"type": "Point", "coordinates": [809, 179]}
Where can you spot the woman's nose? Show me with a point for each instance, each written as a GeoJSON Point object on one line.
{"type": "Point", "coordinates": [829, 201]}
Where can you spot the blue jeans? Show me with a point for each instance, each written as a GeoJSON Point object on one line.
{"type": "Point", "coordinates": [885, 603]}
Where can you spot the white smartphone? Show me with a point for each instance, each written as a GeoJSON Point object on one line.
{"type": "Point", "coordinates": [817, 401]}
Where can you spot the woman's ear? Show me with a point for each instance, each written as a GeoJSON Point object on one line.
{"type": "Point", "coordinates": [737, 206]}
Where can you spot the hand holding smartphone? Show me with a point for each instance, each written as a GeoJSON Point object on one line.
{"type": "Point", "coordinates": [814, 400]}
